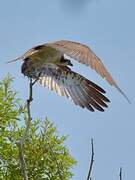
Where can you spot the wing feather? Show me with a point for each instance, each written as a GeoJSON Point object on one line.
{"type": "Point", "coordinates": [75, 87]}
{"type": "Point", "coordinates": [85, 55]}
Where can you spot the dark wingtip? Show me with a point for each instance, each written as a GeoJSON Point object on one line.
{"type": "Point", "coordinates": [96, 86]}
{"type": "Point", "coordinates": [90, 108]}
{"type": "Point", "coordinates": [101, 110]}
{"type": "Point", "coordinates": [107, 100]}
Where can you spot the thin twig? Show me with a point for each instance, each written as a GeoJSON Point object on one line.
{"type": "Point", "coordinates": [25, 135]}
{"type": "Point", "coordinates": [120, 174]}
{"type": "Point", "coordinates": [91, 161]}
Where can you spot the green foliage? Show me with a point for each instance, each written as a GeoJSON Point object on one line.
{"type": "Point", "coordinates": [46, 156]}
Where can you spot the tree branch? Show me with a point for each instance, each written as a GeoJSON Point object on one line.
{"type": "Point", "coordinates": [22, 160]}
{"type": "Point", "coordinates": [91, 161]}
{"type": "Point", "coordinates": [120, 174]}
{"type": "Point", "coordinates": [25, 135]}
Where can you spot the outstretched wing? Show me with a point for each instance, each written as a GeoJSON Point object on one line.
{"type": "Point", "coordinates": [72, 85]}
{"type": "Point", "coordinates": [85, 55]}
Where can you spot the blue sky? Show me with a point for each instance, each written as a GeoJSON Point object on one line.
{"type": "Point", "coordinates": [108, 27]}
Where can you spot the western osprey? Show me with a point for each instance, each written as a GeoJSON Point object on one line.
{"type": "Point", "coordinates": [47, 63]}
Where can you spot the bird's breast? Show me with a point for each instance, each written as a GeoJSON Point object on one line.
{"type": "Point", "coordinates": [34, 63]}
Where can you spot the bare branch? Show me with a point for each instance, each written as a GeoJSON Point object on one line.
{"type": "Point", "coordinates": [91, 161]}
{"type": "Point", "coordinates": [25, 135]}
{"type": "Point", "coordinates": [120, 174]}
{"type": "Point", "coordinates": [22, 160]}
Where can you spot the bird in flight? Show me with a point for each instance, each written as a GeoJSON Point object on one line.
{"type": "Point", "coordinates": [47, 63]}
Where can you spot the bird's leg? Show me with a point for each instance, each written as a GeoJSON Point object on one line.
{"type": "Point", "coordinates": [31, 92]}
{"type": "Point", "coordinates": [35, 80]}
